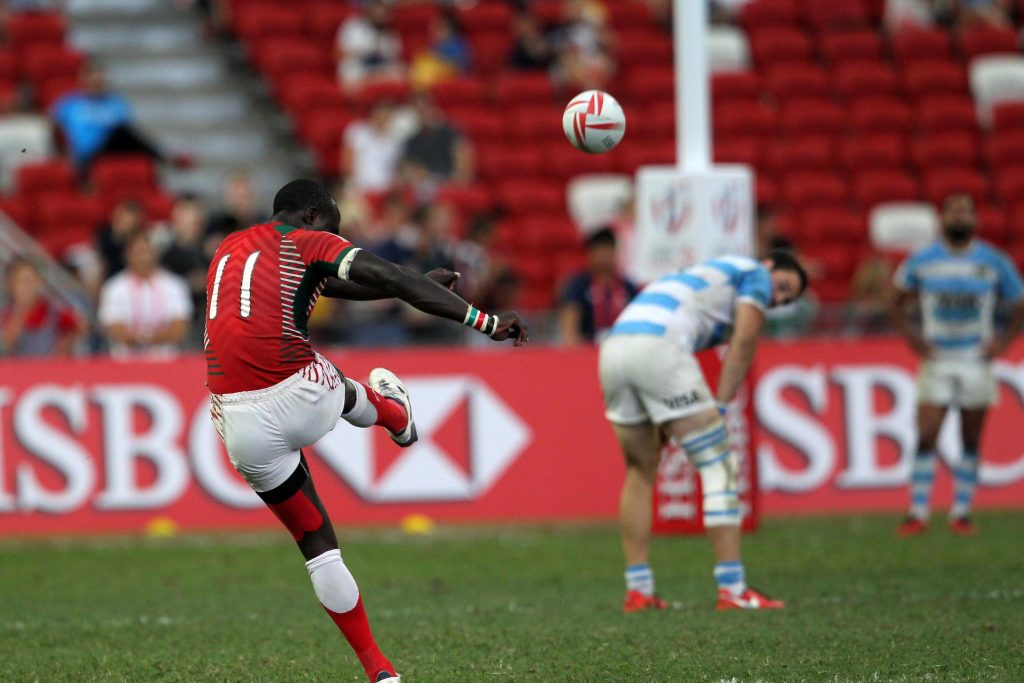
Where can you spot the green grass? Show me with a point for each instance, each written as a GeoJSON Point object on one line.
{"type": "Point", "coordinates": [521, 604]}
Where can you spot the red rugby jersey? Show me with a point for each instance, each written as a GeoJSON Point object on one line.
{"type": "Point", "coordinates": [261, 287]}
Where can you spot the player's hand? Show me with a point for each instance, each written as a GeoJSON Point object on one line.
{"type": "Point", "coordinates": [511, 326]}
{"type": "Point", "coordinates": [444, 277]}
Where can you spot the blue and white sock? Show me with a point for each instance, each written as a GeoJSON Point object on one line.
{"type": "Point", "coordinates": [922, 474]}
{"type": "Point", "coordinates": [965, 480]}
{"type": "Point", "coordinates": [731, 577]}
{"type": "Point", "coordinates": [640, 578]}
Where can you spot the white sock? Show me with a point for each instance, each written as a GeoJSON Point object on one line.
{"type": "Point", "coordinates": [965, 478]}
{"type": "Point", "coordinates": [640, 578]}
{"type": "Point", "coordinates": [332, 582]}
{"type": "Point", "coordinates": [363, 412]}
{"type": "Point", "coordinates": [922, 474]}
{"type": "Point", "coordinates": [731, 577]}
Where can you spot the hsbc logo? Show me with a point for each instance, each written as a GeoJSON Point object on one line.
{"type": "Point", "coordinates": [468, 438]}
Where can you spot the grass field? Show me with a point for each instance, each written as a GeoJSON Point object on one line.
{"type": "Point", "coordinates": [521, 604]}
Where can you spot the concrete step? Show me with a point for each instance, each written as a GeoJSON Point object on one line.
{"type": "Point", "coordinates": [98, 37]}
{"type": "Point", "coordinates": [183, 73]}
{"type": "Point", "coordinates": [190, 108]}
{"type": "Point", "coordinates": [116, 9]}
{"type": "Point", "coordinates": [239, 145]}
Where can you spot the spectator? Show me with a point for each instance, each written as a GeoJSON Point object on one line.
{"type": "Point", "coordinates": [434, 247]}
{"type": "Point", "coordinates": [367, 47]}
{"type": "Point", "coordinates": [126, 219]}
{"type": "Point", "coordinates": [593, 298]}
{"type": "Point", "coordinates": [436, 151]}
{"type": "Point", "coordinates": [985, 13]}
{"type": "Point", "coordinates": [189, 252]}
{"type": "Point", "coordinates": [872, 292]}
{"type": "Point", "coordinates": [908, 14]}
{"type": "Point", "coordinates": [238, 208]}
{"type": "Point", "coordinates": [531, 49]}
{"type": "Point", "coordinates": [144, 310]}
{"type": "Point", "coordinates": [34, 324]}
{"type": "Point", "coordinates": [95, 121]}
{"type": "Point", "coordinates": [583, 43]}
{"type": "Point", "coordinates": [449, 54]}
{"type": "Point", "coordinates": [371, 149]}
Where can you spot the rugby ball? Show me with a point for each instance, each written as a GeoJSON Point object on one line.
{"type": "Point", "coordinates": [594, 122]}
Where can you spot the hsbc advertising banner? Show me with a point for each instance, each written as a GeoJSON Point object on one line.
{"type": "Point", "coordinates": [98, 445]}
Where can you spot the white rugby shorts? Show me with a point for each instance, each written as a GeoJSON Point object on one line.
{"type": "Point", "coordinates": [649, 379]}
{"type": "Point", "coordinates": [264, 430]}
{"type": "Point", "coordinates": [956, 382]}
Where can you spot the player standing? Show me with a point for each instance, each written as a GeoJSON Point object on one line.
{"type": "Point", "coordinates": [958, 281]}
{"type": "Point", "coordinates": [273, 395]}
{"type": "Point", "coordinates": [654, 390]}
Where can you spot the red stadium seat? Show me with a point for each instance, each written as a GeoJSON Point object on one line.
{"type": "Point", "coordinates": [564, 161]}
{"type": "Point", "coordinates": [747, 150]}
{"type": "Point", "coordinates": [884, 185]}
{"type": "Point", "coordinates": [370, 93]}
{"type": "Point", "coordinates": [1008, 116]}
{"type": "Point", "coordinates": [479, 123]}
{"type": "Point", "coordinates": [634, 156]}
{"type": "Point", "coordinates": [789, 80]}
{"type": "Point", "coordinates": [833, 225]}
{"type": "Point", "coordinates": [1006, 149]}
{"type": "Point", "coordinates": [876, 151]}
{"type": "Point", "coordinates": [470, 200]}
{"type": "Point", "coordinates": [934, 77]}
{"type": "Point", "coordinates": [744, 119]}
{"type": "Point", "coordinates": [913, 44]}
{"type": "Point", "coordinates": [630, 14]}
{"type": "Point", "coordinates": [122, 172]}
{"type": "Point", "coordinates": [1010, 183]}
{"type": "Point", "coordinates": [536, 123]}
{"type": "Point", "coordinates": [466, 90]}
{"type": "Point", "coordinates": [45, 176]}
{"type": "Point", "coordinates": [44, 61]}
{"type": "Point", "coordinates": [17, 208]}
{"type": "Point", "coordinates": [52, 89]}
{"type": "Point", "coordinates": [285, 58]}
{"type": "Point", "coordinates": [651, 85]}
{"type": "Point", "coordinates": [881, 115]}
{"type": "Point", "coordinates": [35, 28]}
{"type": "Point", "coordinates": [8, 66]}
{"type": "Point", "coordinates": [946, 113]}
{"type": "Point", "coordinates": [525, 87]}
{"type": "Point", "coordinates": [301, 93]}
{"type": "Point", "coordinates": [323, 17]}
{"type": "Point", "coordinates": [739, 85]}
{"type": "Point", "coordinates": [257, 21]}
{"type": "Point", "coordinates": [955, 148]}
{"type": "Point", "coordinates": [158, 205]}
{"type": "Point", "coordinates": [759, 13]}
{"type": "Point", "coordinates": [496, 161]}
{"type": "Point", "coordinates": [526, 196]}
{"type": "Point", "coordinates": [814, 190]}
{"type": "Point", "coordinates": [323, 128]}
{"type": "Point", "coordinates": [812, 116]}
{"type": "Point", "coordinates": [485, 16]}
{"type": "Point", "coordinates": [993, 225]}
{"type": "Point", "coordinates": [59, 242]}
{"type": "Point", "coordinates": [57, 209]}
{"type": "Point", "coordinates": [986, 40]}
{"type": "Point", "coordinates": [780, 44]}
{"type": "Point", "coordinates": [941, 183]}
{"type": "Point", "coordinates": [645, 47]}
{"type": "Point", "coordinates": [866, 79]}
{"type": "Point", "coordinates": [852, 46]}
{"type": "Point", "coordinates": [417, 17]}
{"type": "Point", "coordinates": [766, 191]}
{"type": "Point", "coordinates": [803, 153]}
{"type": "Point", "coordinates": [832, 15]}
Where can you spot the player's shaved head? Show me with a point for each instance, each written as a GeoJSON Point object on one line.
{"type": "Point", "coordinates": [308, 202]}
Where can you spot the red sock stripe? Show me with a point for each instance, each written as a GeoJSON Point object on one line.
{"type": "Point", "coordinates": [356, 628]}
{"type": "Point", "coordinates": [390, 414]}
{"type": "Point", "coordinates": [299, 515]}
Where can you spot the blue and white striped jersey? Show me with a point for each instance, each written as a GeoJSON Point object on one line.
{"type": "Point", "coordinates": [959, 292]}
{"type": "Point", "coordinates": [696, 308]}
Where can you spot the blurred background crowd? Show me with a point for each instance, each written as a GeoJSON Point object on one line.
{"type": "Point", "coordinates": [437, 124]}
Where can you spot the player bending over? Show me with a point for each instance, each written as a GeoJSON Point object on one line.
{"type": "Point", "coordinates": [273, 395]}
{"type": "Point", "coordinates": [958, 281]}
{"type": "Point", "coordinates": [654, 390]}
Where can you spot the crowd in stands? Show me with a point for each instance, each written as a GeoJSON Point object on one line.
{"type": "Point", "coordinates": [393, 107]}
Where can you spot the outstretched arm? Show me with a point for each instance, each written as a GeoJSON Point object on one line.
{"type": "Point", "coordinates": [346, 289]}
{"type": "Point", "coordinates": [742, 346]}
{"type": "Point", "coordinates": [423, 293]}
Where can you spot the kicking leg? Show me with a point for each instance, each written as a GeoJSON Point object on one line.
{"type": "Point", "coordinates": [705, 438]}
{"type": "Point", "coordinates": [641, 448]}
{"type": "Point", "coordinates": [385, 402]}
{"type": "Point", "coordinates": [922, 472]}
{"type": "Point", "coordinates": [297, 505]}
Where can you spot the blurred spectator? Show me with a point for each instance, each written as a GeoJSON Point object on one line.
{"type": "Point", "coordinates": [189, 252]}
{"type": "Point", "coordinates": [471, 259]}
{"type": "Point", "coordinates": [371, 149]}
{"type": "Point", "coordinates": [449, 54]}
{"type": "Point", "coordinates": [96, 120]}
{"type": "Point", "coordinates": [238, 206]}
{"type": "Point", "coordinates": [583, 43]}
{"type": "Point", "coordinates": [144, 310]}
{"type": "Point", "coordinates": [908, 14]}
{"type": "Point", "coordinates": [872, 291]}
{"type": "Point", "coordinates": [985, 12]}
{"type": "Point", "coordinates": [34, 324]}
{"type": "Point", "coordinates": [126, 219]}
{"type": "Point", "coordinates": [367, 47]}
{"type": "Point", "coordinates": [531, 49]}
{"type": "Point", "coordinates": [434, 247]}
{"type": "Point", "coordinates": [593, 298]}
{"type": "Point", "coordinates": [436, 151]}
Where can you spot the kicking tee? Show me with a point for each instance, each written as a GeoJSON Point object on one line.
{"type": "Point", "coordinates": [959, 292]}
{"type": "Point", "coordinates": [260, 290]}
{"type": "Point", "coordinates": [696, 309]}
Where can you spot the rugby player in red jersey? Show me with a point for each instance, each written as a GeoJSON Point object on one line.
{"type": "Point", "coordinates": [273, 395]}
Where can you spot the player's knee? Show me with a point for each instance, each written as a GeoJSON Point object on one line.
{"type": "Point", "coordinates": [709, 451]}
{"type": "Point", "coordinates": [333, 583]}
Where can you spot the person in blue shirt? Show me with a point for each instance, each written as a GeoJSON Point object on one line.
{"type": "Point", "coordinates": [593, 298]}
{"type": "Point", "coordinates": [958, 282]}
{"type": "Point", "coordinates": [95, 120]}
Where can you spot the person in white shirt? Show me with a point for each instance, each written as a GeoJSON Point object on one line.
{"type": "Point", "coordinates": [371, 150]}
{"type": "Point", "coordinates": [367, 47]}
{"type": "Point", "coordinates": [144, 310]}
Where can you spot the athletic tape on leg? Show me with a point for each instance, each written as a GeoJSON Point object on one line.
{"type": "Point", "coordinates": [332, 582]}
{"type": "Point", "coordinates": [716, 463]}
